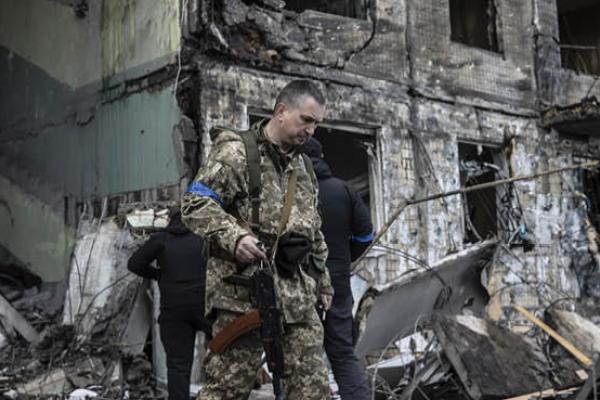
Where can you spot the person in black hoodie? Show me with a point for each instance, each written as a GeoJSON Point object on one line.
{"type": "Point", "coordinates": [181, 276]}
{"type": "Point", "coordinates": [348, 232]}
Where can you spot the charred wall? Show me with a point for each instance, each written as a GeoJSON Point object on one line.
{"type": "Point", "coordinates": [410, 73]}
{"type": "Point", "coordinates": [559, 85]}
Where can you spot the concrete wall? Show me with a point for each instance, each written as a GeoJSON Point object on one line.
{"type": "Point", "coordinates": [423, 94]}
{"type": "Point", "coordinates": [558, 85]}
{"type": "Point", "coordinates": [450, 70]}
{"type": "Point", "coordinates": [87, 105]}
{"type": "Point", "coordinates": [34, 232]}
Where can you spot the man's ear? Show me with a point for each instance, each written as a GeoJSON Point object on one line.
{"type": "Point", "coordinates": [279, 109]}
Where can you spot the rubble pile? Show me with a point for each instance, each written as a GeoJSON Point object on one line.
{"type": "Point", "coordinates": [425, 335]}
{"type": "Point", "coordinates": [86, 340]}
{"type": "Point", "coordinates": [450, 349]}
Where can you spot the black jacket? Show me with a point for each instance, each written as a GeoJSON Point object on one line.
{"type": "Point", "coordinates": [182, 269]}
{"type": "Point", "coordinates": [346, 226]}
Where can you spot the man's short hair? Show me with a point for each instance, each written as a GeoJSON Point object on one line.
{"type": "Point", "coordinates": [294, 92]}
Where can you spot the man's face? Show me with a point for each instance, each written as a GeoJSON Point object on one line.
{"type": "Point", "coordinates": [297, 124]}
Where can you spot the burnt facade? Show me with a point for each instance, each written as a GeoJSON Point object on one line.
{"type": "Point", "coordinates": [431, 96]}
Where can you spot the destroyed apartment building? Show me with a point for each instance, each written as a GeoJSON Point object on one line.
{"type": "Point", "coordinates": [104, 119]}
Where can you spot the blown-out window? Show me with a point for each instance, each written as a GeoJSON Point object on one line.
{"type": "Point", "coordinates": [579, 32]}
{"type": "Point", "coordinates": [479, 164]}
{"type": "Point", "coordinates": [474, 23]}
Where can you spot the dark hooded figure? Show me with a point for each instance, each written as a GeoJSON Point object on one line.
{"type": "Point", "coordinates": [181, 276]}
{"type": "Point", "coordinates": [348, 231]}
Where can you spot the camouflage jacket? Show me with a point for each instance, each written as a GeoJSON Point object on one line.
{"type": "Point", "coordinates": [217, 207]}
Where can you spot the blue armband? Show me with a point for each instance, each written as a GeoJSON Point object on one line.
{"type": "Point", "coordinates": [364, 239]}
{"type": "Point", "coordinates": [200, 189]}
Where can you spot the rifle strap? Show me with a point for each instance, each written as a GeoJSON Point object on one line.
{"type": "Point", "coordinates": [254, 183]}
{"type": "Point", "coordinates": [253, 163]}
{"type": "Point", "coordinates": [287, 205]}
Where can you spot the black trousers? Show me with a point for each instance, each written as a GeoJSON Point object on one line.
{"type": "Point", "coordinates": [339, 346]}
{"type": "Point", "coordinates": [178, 327]}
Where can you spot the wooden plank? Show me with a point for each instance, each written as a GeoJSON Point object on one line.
{"type": "Point", "coordinates": [543, 394]}
{"type": "Point", "coordinates": [582, 358]}
{"type": "Point", "coordinates": [14, 320]}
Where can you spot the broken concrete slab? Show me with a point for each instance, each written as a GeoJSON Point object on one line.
{"type": "Point", "coordinates": [3, 340]}
{"type": "Point", "coordinates": [148, 219]}
{"type": "Point", "coordinates": [55, 382]}
{"type": "Point", "coordinates": [579, 118]}
{"type": "Point", "coordinates": [159, 356]}
{"type": "Point", "coordinates": [12, 321]}
{"type": "Point", "coordinates": [86, 372]}
{"type": "Point", "coordinates": [82, 394]}
{"type": "Point", "coordinates": [11, 394]}
{"type": "Point", "coordinates": [98, 275]}
{"type": "Point", "coordinates": [588, 386]}
{"type": "Point", "coordinates": [139, 323]}
{"type": "Point", "coordinates": [491, 362]}
{"type": "Point", "coordinates": [581, 332]}
{"type": "Point", "coordinates": [400, 304]}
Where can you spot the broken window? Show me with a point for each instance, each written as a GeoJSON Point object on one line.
{"type": "Point", "coordinates": [350, 153]}
{"type": "Point", "coordinates": [473, 22]}
{"type": "Point", "coordinates": [347, 8]}
{"type": "Point", "coordinates": [588, 182]}
{"type": "Point", "coordinates": [579, 33]}
{"type": "Point", "coordinates": [479, 164]}
{"type": "Point", "coordinates": [346, 153]}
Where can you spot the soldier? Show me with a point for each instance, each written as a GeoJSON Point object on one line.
{"type": "Point", "coordinates": [348, 232]}
{"type": "Point", "coordinates": [221, 206]}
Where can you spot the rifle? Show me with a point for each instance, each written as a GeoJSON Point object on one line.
{"type": "Point", "coordinates": [266, 316]}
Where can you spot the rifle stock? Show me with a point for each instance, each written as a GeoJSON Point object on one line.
{"type": "Point", "coordinates": [238, 327]}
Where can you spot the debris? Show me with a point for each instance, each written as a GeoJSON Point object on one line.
{"type": "Point", "coordinates": [451, 285]}
{"type": "Point", "coordinates": [3, 340]}
{"type": "Point", "coordinates": [98, 280]}
{"type": "Point", "coordinates": [159, 357]}
{"type": "Point", "coordinates": [590, 382]}
{"type": "Point", "coordinates": [585, 360]}
{"type": "Point", "coordinates": [491, 362]}
{"type": "Point", "coordinates": [55, 382]}
{"type": "Point", "coordinates": [148, 219]}
{"type": "Point", "coordinates": [579, 118]}
{"type": "Point", "coordinates": [82, 394]}
{"type": "Point", "coordinates": [49, 300]}
{"type": "Point", "coordinates": [542, 394]}
{"type": "Point", "coordinates": [91, 370]}
{"type": "Point", "coordinates": [582, 333]}
{"type": "Point", "coordinates": [11, 394]}
{"type": "Point", "coordinates": [12, 267]}
{"type": "Point", "coordinates": [139, 323]}
{"type": "Point", "coordinates": [13, 321]}
{"type": "Point", "coordinates": [274, 4]}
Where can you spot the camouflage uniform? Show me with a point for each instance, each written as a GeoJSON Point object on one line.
{"type": "Point", "coordinates": [222, 184]}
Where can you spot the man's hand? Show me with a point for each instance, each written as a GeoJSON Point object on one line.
{"type": "Point", "coordinates": [326, 300]}
{"type": "Point", "coordinates": [247, 251]}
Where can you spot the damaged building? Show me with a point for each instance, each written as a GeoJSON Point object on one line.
{"type": "Point", "coordinates": [104, 119]}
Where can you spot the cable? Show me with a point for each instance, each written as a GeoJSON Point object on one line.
{"type": "Point", "coordinates": [407, 202]}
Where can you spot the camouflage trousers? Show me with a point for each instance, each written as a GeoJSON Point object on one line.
{"type": "Point", "coordinates": [231, 374]}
